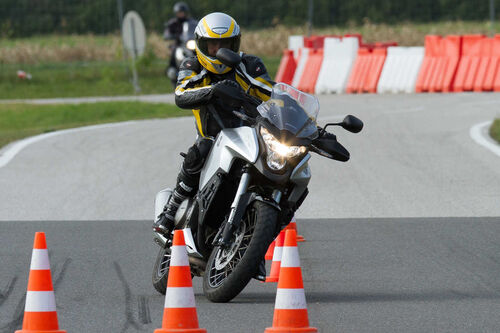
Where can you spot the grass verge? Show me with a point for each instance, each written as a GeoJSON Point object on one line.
{"type": "Point", "coordinates": [96, 78]}
{"type": "Point", "coordinates": [495, 130]}
{"type": "Point", "coordinates": [18, 121]}
{"type": "Point", "coordinates": [78, 79]}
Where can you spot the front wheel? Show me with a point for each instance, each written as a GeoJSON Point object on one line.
{"type": "Point", "coordinates": [160, 270]}
{"type": "Point", "coordinates": [229, 270]}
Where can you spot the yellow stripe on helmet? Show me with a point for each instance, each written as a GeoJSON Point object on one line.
{"type": "Point", "coordinates": [207, 29]}
{"type": "Point", "coordinates": [230, 31]}
{"type": "Point", "coordinates": [212, 34]}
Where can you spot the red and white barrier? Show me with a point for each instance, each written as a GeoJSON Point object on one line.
{"type": "Point", "coordinates": [400, 70]}
{"type": "Point", "coordinates": [366, 71]}
{"type": "Point", "coordinates": [339, 57]}
{"type": "Point", "coordinates": [311, 71]}
{"type": "Point", "coordinates": [301, 65]}
{"type": "Point", "coordinates": [287, 68]}
{"type": "Point", "coordinates": [440, 63]}
{"type": "Point", "coordinates": [331, 64]}
{"type": "Point", "coordinates": [295, 43]}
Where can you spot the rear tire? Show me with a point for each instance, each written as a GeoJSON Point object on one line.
{"type": "Point", "coordinates": [222, 284]}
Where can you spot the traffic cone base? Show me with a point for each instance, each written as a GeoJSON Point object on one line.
{"type": "Point", "coordinates": [290, 330]}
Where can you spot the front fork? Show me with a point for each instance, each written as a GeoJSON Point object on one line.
{"type": "Point", "coordinates": [238, 207]}
{"type": "Point", "coordinates": [235, 214]}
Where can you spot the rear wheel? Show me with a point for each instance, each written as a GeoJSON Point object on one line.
{"type": "Point", "coordinates": [229, 270]}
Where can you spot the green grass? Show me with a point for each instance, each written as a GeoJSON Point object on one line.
{"type": "Point", "coordinates": [495, 130]}
{"type": "Point", "coordinates": [18, 121]}
{"type": "Point", "coordinates": [88, 79]}
{"type": "Point", "coordinates": [80, 79]}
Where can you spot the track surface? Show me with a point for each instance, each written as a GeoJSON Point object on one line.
{"type": "Point", "coordinates": [410, 248]}
{"type": "Point", "coordinates": [364, 275]}
{"type": "Point", "coordinates": [414, 158]}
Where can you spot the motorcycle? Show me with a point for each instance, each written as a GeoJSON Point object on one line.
{"type": "Point", "coordinates": [254, 179]}
{"type": "Point", "coordinates": [184, 48]}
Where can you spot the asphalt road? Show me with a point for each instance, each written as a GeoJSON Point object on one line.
{"type": "Point", "coordinates": [364, 275]}
{"type": "Point", "coordinates": [415, 158]}
{"type": "Point", "coordinates": [408, 240]}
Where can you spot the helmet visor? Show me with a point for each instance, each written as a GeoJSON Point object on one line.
{"type": "Point", "coordinates": [210, 46]}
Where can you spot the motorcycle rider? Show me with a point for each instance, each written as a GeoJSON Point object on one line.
{"type": "Point", "coordinates": [195, 90]}
{"type": "Point", "coordinates": [173, 29]}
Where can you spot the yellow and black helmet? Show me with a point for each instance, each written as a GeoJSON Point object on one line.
{"type": "Point", "coordinates": [216, 26]}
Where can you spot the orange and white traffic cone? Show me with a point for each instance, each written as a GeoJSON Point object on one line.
{"type": "Point", "coordinates": [179, 313]}
{"type": "Point", "coordinates": [290, 309]}
{"type": "Point", "coordinates": [293, 226]}
{"type": "Point", "coordinates": [40, 315]}
{"type": "Point", "coordinates": [270, 251]}
{"type": "Point", "coordinates": [276, 264]}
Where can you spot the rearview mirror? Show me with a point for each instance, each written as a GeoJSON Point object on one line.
{"type": "Point", "coordinates": [228, 57]}
{"type": "Point", "coordinates": [352, 124]}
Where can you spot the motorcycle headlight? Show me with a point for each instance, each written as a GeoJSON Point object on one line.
{"type": "Point", "coordinates": [277, 152]}
{"type": "Point", "coordinates": [191, 44]}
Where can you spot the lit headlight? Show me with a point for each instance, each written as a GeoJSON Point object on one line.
{"type": "Point", "coordinates": [277, 152]}
{"type": "Point", "coordinates": [191, 44]}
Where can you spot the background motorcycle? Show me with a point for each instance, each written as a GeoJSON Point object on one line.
{"type": "Point", "coordinates": [254, 179]}
{"type": "Point", "coordinates": [183, 48]}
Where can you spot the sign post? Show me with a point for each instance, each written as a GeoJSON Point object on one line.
{"type": "Point", "coordinates": [134, 41]}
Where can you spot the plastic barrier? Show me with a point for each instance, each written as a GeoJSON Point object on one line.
{"type": "Point", "coordinates": [338, 60]}
{"type": "Point", "coordinates": [401, 69]}
{"type": "Point", "coordinates": [492, 79]}
{"type": "Point", "coordinates": [489, 66]}
{"type": "Point", "coordinates": [301, 64]}
{"type": "Point", "coordinates": [366, 71]}
{"type": "Point", "coordinates": [287, 68]}
{"type": "Point", "coordinates": [440, 63]}
{"type": "Point", "coordinates": [311, 71]}
{"type": "Point", "coordinates": [295, 43]}
{"type": "Point", "coordinates": [478, 69]}
{"type": "Point", "coordinates": [471, 57]}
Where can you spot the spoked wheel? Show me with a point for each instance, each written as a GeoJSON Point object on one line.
{"type": "Point", "coordinates": [160, 270]}
{"type": "Point", "coordinates": [229, 270]}
{"type": "Point", "coordinates": [227, 259]}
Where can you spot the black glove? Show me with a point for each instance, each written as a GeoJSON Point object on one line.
{"type": "Point", "coordinates": [229, 91]}
{"type": "Point", "coordinates": [226, 84]}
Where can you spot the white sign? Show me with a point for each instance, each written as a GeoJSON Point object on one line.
{"type": "Point", "coordinates": [134, 34]}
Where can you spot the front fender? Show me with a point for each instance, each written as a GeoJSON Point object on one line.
{"type": "Point", "coordinates": [246, 200]}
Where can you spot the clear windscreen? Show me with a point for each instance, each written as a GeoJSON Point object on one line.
{"type": "Point", "coordinates": [292, 110]}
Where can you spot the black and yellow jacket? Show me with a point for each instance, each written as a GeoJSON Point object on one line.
{"type": "Point", "coordinates": [194, 91]}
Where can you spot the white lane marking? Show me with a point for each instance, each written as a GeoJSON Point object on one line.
{"type": "Point", "coordinates": [476, 133]}
{"type": "Point", "coordinates": [12, 150]}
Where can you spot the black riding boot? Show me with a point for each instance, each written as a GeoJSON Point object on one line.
{"type": "Point", "coordinates": [186, 188]}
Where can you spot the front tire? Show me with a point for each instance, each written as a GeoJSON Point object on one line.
{"type": "Point", "coordinates": [229, 271]}
{"type": "Point", "coordinates": [160, 270]}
